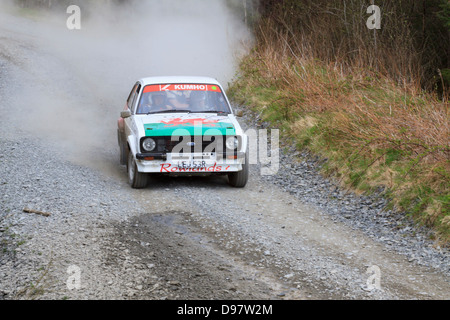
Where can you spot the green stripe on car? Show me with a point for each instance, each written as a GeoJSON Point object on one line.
{"type": "Point", "coordinates": [162, 129]}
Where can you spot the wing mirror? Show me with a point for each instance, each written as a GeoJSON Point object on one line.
{"type": "Point", "coordinates": [239, 113]}
{"type": "Point", "coordinates": [125, 114]}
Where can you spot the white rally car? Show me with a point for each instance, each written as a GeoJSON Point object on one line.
{"type": "Point", "coordinates": [181, 126]}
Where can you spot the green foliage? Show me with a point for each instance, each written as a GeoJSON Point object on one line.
{"type": "Point", "coordinates": [392, 155]}
{"type": "Point", "coordinates": [444, 13]}
{"type": "Point", "coordinates": [446, 76]}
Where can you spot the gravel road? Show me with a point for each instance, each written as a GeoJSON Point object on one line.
{"type": "Point", "coordinates": [88, 235]}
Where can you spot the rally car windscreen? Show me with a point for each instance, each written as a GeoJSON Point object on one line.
{"type": "Point", "coordinates": [182, 97]}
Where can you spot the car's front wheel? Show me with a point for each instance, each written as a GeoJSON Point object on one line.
{"type": "Point", "coordinates": [123, 150]}
{"type": "Point", "coordinates": [239, 179]}
{"type": "Point", "coordinates": [136, 179]}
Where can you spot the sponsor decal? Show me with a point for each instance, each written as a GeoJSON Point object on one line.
{"type": "Point", "coordinates": [180, 87]}
{"type": "Point", "coordinates": [190, 122]}
{"type": "Point", "coordinates": [167, 167]}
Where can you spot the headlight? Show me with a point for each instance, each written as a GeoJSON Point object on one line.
{"type": "Point", "coordinates": [232, 143]}
{"type": "Point", "coordinates": [149, 144]}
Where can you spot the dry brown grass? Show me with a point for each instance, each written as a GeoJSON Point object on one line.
{"type": "Point", "coordinates": [390, 112]}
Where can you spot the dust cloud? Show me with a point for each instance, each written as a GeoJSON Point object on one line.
{"type": "Point", "coordinates": [77, 81]}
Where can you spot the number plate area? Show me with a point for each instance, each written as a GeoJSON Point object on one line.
{"type": "Point", "coordinates": [192, 161]}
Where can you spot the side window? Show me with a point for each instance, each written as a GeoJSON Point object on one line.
{"type": "Point", "coordinates": [132, 96]}
{"type": "Point", "coordinates": [133, 105]}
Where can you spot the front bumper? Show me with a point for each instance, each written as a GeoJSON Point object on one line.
{"type": "Point", "coordinates": [190, 163]}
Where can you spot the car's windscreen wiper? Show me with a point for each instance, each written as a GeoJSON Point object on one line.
{"type": "Point", "coordinates": [213, 111]}
{"type": "Point", "coordinates": [170, 111]}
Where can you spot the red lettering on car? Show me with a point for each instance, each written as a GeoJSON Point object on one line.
{"type": "Point", "coordinates": [165, 167]}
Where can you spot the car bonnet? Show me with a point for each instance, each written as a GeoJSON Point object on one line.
{"type": "Point", "coordinates": [187, 124]}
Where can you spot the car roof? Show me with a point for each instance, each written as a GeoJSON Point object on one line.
{"type": "Point", "coordinates": [178, 79]}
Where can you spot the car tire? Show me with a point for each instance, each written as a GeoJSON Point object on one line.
{"type": "Point", "coordinates": [239, 179]}
{"type": "Point", "coordinates": [136, 179]}
{"type": "Point", "coordinates": [123, 149]}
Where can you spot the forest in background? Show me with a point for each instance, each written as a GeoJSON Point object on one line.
{"type": "Point", "coordinates": [412, 45]}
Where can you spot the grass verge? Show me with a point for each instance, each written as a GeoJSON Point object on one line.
{"type": "Point", "coordinates": [372, 131]}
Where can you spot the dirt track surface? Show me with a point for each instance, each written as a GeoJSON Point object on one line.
{"type": "Point", "coordinates": [179, 238]}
